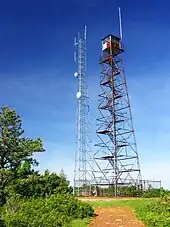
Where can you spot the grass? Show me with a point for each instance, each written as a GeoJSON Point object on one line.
{"type": "Point", "coordinates": [80, 222]}
{"type": "Point", "coordinates": [128, 203]}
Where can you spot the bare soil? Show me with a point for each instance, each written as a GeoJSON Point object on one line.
{"type": "Point", "coordinates": [115, 217]}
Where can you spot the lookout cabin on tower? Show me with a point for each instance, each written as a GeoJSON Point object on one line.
{"type": "Point", "coordinates": [111, 47]}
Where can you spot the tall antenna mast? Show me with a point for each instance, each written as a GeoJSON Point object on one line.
{"type": "Point", "coordinates": [83, 160]}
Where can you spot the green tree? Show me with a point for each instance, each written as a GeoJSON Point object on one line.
{"type": "Point", "coordinates": [15, 150]}
{"type": "Point", "coordinates": [33, 184]}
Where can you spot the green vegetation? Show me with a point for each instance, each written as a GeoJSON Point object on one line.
{"type": "Point", "coordinates": [135, 203]}
{"type": "Point", "coordinates": [55, 210]}
{"type": "Point", "coordinates": [131, 191]}
{"type": "Point", "coordinates": [151, 193]}
{"type": "Point", "coordinates": [156, 214]}
{"type": "Point", "coordinates": [80, 222]}
{"type": "Point", "coordinates": [28, 198]}
{"type": "Point", "coordinates": [15, 150]}
{"type": "Point", "coordinates": [125, 191]}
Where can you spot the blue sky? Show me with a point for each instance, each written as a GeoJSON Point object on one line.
{"type": "Point", "coordinates": [36, 73]}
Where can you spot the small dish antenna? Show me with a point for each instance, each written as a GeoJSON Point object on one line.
{"type": "Point", "coordinates": [78, 94]}
{"type": "Point", "coordinates": [76, 74]}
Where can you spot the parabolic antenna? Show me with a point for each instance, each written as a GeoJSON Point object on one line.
{"type": "Point", "coordinates": [78, 94]}
{"type": "Point", "coordinates": [76, 74]}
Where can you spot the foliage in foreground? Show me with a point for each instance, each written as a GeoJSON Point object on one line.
{"type": "Point", "coordinates": [155, 214]}
{"type": "Point", "coordinates": [80, 222]}
{"type": "Point", "coordinates": [56, 210]}
{"type": "Point", "coordinates": [28, 198]}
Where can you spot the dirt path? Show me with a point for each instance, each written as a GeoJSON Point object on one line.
{"type": "Point", "coordinates": [115, 217]}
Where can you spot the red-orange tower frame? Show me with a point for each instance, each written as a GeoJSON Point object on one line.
{"type": "Point", "coordinates": [116, 156]}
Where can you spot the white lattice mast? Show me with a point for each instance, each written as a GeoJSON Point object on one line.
{"type": "Point", "coordinates": [82, 171]}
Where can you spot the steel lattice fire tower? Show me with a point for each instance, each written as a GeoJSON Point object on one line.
{"type": "Point", "coordinates": [116, 156]}
{"type": "Point", "coordinates": [83, 160]}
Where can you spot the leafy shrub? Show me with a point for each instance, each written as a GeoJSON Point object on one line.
{"type": "Point", "coordinates": [164, 193]}
{"type": "Point", "coordinates": [2, 224]}
{"type": "Point", "coordinates": [155, 214]}
{"type": "Point", "coordinates": [151, 193]}
{"type": "Point", "coordinates": [70, 206]}
{"type": "Point", "coordinates": [56, 210]}
{"type": "Point", "coordinates": [166, 198]}
{"type": "Point", "coordinates": [37, 185]}
{"type": "Point", "coordinates": [130, 191]}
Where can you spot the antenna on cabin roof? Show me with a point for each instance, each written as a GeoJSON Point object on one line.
{"type": "Point", "coordinates": [120, 24]}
